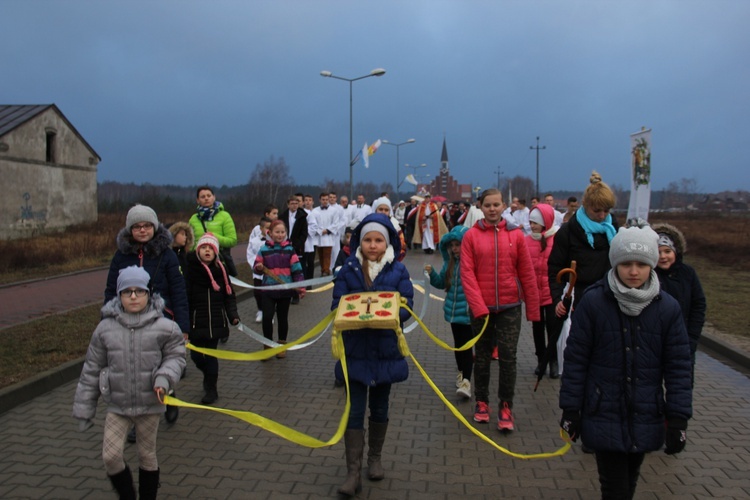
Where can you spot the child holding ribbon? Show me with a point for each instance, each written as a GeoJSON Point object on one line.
{"type": "Point", "coordinates": [373, 358]}
{"type": "Point", "coordinates": [135, 356]}
{"type": "Point", "coordinates": [278, 263]}
{"type": "Point", "coordinates": [455, 307]}
{"type": "Point", "coordinates": [213, 306]}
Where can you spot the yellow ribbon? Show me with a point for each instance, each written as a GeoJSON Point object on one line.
{"type": "Point", "coordinates": [338, 344]}
{"type": "Point", "coordinates": [273, 427]}
{"type": "Point", "coordinates": [266, 353]}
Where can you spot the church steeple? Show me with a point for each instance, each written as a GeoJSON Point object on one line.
{"type": "Point", "coordinates": [444, 158]}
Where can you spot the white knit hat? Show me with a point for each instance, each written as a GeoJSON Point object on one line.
{"type": "Point", "coordinates": [141, 213]}
{"type": "Point", "coordinates": [640, 244]}
{"type": "Point", "coordinates": [377, 227]}
{"type": "Point", "coordinates": [382, 201]}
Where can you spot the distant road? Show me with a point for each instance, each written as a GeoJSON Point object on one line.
{"type": "Point", "coordinates": [36, 299]}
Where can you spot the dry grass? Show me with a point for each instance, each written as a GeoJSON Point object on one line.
{"type": "Point", "coordinates": [84, 246]}
{"type": "Point", "coordinates": [717, 248]}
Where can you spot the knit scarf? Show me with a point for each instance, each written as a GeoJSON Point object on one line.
{"type": "Point", "coordinates": [207, 213]}
{"type": "Point", "coordinates": [592, 227]}
{"type": "Point", "coordinates": [214, 284]}
{"type": "Point", "coordinates": [632, 301]}
{"type": "Point", "coordinates": [374, 268]}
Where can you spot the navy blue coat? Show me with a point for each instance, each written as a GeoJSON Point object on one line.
{"type": "Point", "coordinates": [617, 368]}
{"type": "Point", "coordinates": [161, 263]}
{"type": "Point", "coordinates": [372, 356]}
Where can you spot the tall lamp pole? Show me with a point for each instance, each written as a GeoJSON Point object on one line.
{"type": "Point", "coordinates": [398, 164]}
{"type": "Point", "coordinates": [537, 163]}
{"type": "Point", "coordinates": [328, 74]}
{"type": "Point", "coordinates": [499, 173]}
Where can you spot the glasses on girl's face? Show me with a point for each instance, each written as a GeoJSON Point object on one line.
{"type": "Point", "coordinates": [139, 292]}
{"type": "Point", "coordinates": [142, 227]}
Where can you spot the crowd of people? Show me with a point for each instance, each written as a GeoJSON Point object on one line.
{"type": "Point", "coordinates": [625, 386]}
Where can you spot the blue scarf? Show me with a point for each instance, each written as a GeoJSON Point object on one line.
{"type": "Point", "coordinates": [592, 227]}
{"type": "Point", "coordinates": [207, 213]}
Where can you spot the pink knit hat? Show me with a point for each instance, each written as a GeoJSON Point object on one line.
{"type": "Point", "coordinates": [211, 240]}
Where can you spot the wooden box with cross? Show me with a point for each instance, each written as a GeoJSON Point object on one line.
{"type": "Point", "coordinates": [378, 310]}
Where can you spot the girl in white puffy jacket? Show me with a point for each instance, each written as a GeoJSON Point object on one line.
{"type": "Point", "coordinates": [135, 356]}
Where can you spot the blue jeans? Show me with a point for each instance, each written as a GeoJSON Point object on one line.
{"type": "Point", "coordinates": [379, 396]}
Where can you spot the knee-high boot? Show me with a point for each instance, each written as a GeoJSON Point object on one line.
{"type": "Point", "coordinates": [375, 441]}
{"type": "Point", "coordinates": [148, 483]}
{"type": "Point", "coordinates": [354, 441]}
{"type": "Point", "coordinates": [123, 483]}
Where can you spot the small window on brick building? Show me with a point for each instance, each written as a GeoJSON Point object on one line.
{"type": "Point", "coordinates": [51, 135]}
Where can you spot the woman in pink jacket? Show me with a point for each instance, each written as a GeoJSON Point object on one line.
{"type": "Point", "coordinates": [498, 276]}
{"type": "Point", "coordinates": [539, 243]}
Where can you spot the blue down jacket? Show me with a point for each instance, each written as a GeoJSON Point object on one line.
{"type": "Point", "coordinates": [618, 367]}
{"type": "Point", "coordinates": [372, 356]}
{"type": "Point", "coordinates": [455, 307]}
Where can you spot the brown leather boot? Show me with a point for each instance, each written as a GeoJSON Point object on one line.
{"type": "Point", "coordinates": [376, 438]}
{"type": "Point", "coordinates": [282, 354]}
{"type": "Point", "coordinates": [354, 441]}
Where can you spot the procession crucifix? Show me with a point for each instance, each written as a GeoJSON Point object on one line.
{"type": "Point", "coordinates": [369, 301]}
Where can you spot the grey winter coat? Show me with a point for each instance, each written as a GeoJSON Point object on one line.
{"type": "Point", "coordinates": [128, 356]}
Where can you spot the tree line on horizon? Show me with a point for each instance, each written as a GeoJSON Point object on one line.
{"type": "Point", "coordinates": [271, 182]}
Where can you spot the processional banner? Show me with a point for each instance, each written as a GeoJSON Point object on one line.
{"type": "Point", "coordinates": [640, 175]}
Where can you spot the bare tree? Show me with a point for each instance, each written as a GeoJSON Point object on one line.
{"type": "Point", "coordinates": [268, 180]}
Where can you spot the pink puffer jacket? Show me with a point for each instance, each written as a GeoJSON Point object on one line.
{"type": "Point", "coordinates": [496, 271]}
{"type": "Point", "coordinates": [538, 256]}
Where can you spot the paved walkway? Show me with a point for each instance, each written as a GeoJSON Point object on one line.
{"type": "Point", "coordinates": [428, 453]}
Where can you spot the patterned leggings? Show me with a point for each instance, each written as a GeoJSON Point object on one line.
{"type": "Point", "coordinates": [113, 447]}
{"type": "Point", "coordinates": [503, 330]}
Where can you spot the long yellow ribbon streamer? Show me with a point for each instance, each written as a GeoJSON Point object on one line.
{"type": "Point", "coordinates": [266, 353]}
{"type": "Point", "coordinates": [305, 440]}
{"type": "Point", "coordinates": [273, 427]}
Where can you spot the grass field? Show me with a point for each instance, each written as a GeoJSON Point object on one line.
{"type": "Point", "coordinates": [717, 247]}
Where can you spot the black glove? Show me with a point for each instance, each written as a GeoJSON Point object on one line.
{"type": "Point", "coordinates": [676, 436]}
{"type": "Point", "coordinates": [571, 423]}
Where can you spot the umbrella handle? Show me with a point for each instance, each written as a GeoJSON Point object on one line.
{"type": "Point", "coordinates": [571, 280]}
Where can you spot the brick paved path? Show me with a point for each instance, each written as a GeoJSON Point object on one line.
{"type": "Point", "coordinates": [428, 453]}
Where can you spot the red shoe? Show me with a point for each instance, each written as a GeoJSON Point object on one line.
{"type": "Point", "coordinates": [481, 412]}
{"type": "Point", "coordinates": [505, 419]}
{"type": "Point", "coordinates": [495, 355]}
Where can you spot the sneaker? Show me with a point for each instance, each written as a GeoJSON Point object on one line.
{"type": "Point", "coordinates": [459, 379]}
{"type": "Point", "coordinates": [505, 418]}
{"type": "Point", "coordinates": [259, 317]}
{"type": "Point", "coordinates": [495, 355]}
{"type": "Point", "coordinates": [464, 390]}
{"type": "Point", "coordinates": [481, 412]}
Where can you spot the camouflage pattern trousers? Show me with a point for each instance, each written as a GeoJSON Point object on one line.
{"type": "Point", "coordinates": [503, 330]}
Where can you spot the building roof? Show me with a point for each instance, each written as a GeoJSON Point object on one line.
{"type": "Point", "coordinates": [13, 116]}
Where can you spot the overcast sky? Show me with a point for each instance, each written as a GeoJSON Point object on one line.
{"type": "Point", "coordinates": [190, 92]}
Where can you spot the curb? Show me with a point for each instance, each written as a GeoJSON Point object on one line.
{"type": "Point", "coordinates": [22, 392]}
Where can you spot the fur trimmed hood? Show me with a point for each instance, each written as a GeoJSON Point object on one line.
{"type": "Point", "coordinates": [161, 241]}
{"type": "Point", "coordinates": [680, 245]}
{"type": "Point", "coordinates": [183, 226]}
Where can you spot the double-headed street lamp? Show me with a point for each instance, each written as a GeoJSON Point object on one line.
{"type": "Point", "coordinates": [398, 147]}
{"type": "Point", "coordinates": [328, 74]}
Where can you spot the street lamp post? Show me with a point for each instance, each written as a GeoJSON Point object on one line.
{"type": "Point", "coordinates": [537, 163]}
{"type": "Point", "coordinates": [398, 147]}
{"type": "Point", "coordinates": [499, 173]}
{"type": "Point", "coordinates": [328, 74]}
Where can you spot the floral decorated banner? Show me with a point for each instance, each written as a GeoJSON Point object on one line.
{"type": "Point", "coordinates": [640, 175]}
